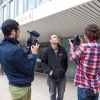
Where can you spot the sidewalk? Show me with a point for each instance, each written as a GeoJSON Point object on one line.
{"type": "Point", "coordinates": [40, 89]}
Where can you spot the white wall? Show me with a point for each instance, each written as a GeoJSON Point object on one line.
{"type": "Point", "coordinates": [54, 6]}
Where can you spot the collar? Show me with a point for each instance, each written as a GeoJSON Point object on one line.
{"type": "Point", "coordinates": [12, 40]}
{"type": "Point", "coordinates": [53, 49]}
{"type": "Point", "coordinates": [93, 41]}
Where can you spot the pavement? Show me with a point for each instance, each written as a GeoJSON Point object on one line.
{"type": "Point", "coordinates": [40, 90]}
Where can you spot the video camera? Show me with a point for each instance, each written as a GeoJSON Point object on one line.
{"type": "Point", "coordinates": [75, 40]}
{"type": "Point", "coordinates": [31, 41]}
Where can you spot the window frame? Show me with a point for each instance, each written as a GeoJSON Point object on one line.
{"type": "Point", "coordinates": [41, 2]}
{"type": "Point", "coordinates": [10, 8]}
{"type": "Point", "coordinates": [17, 14]}
{"type": "Point", "coordinates": [27, 5]}
{"type": "Point", "coordinates": [4, 12]}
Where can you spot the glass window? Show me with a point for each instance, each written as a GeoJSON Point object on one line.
{"type": "Point", "coordinates": [20, 7]}
{"type": "Point", "coordinates": [72, 65]}
{"type": "Point", "coordinates": [38, 65]}
{"type": "Point", "coordinates": [12, 9]}
{"type": "Point", "coordinates": [0, 16]}
{"type": "Point", "coordinates": [43, 0]}
{"type": "Point", "coordinates": [4, 13]}
{"type": "Point", "coordinates": [1, 1]}
{"type": "Point", "coordinates": [29, 4]}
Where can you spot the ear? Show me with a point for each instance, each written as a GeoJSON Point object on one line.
{"type": "Point", "coordinates": [50, 41]}
{"type": "Point", "coordinates": [13, 32]}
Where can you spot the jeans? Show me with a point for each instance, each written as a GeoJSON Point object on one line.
{"type": "Point", "coordinates": [54, 85]}
{"type": "Point", "coordinates": [83, 95]}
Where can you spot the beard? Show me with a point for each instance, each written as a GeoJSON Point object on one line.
{"type": "Point", "coordinates": [16, 35]}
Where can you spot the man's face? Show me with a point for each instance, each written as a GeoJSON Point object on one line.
{"type": "Point", "coordinates": [16, 34]}
{"type": "Point", "coordinates": [54, 39]}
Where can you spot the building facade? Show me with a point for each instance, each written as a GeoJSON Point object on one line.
{"type": "Point", "coordinates": [62, 17]}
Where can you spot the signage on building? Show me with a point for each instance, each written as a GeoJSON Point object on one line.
{"type": "Point", "coordinates": [0, 30]}
{"type": "Point", "coordinates": [24, 18]}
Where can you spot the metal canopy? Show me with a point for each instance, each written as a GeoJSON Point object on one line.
{"type": "Point", "coordinates": [65, 23]}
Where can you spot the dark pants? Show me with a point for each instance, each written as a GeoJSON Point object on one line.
{"type": "Point", "coordinates": [58, 84]}
{"type": "Point", "coordinates": [87, 95]}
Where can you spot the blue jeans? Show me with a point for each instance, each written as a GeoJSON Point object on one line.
{"type": "Point", "coordinates": [58, 84]}
{"type": "Point", "coordinates": [84, 95]}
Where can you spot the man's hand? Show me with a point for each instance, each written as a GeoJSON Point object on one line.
{"type": "Point", "coordinates": [50, 73]}
{"type": "Point", "coordinates": [34, 49]}
{"type": "Point", "coordinates": [81, 41]}
{"type": "Point", "coordinates": [71, 44]}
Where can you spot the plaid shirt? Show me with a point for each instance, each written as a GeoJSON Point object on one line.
{"type": "Point", "coordinates": [88, 68]}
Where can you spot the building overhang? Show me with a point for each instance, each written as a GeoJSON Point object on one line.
{"type": "Point", "coordinates": [65, 23]}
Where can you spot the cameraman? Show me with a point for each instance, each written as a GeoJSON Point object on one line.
{"type": "Point", "coordinates": [15, 63]}
{"type": "Point", "coordinates": [87, 76]}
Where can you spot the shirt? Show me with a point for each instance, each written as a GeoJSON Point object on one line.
{"type": "Point", "coordinates": [56, 50]}
{"type": "Point", "coordinates": [88, 68]}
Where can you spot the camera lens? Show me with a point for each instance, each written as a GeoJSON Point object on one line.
{"type": "Point", "coordinates": [75, 40]}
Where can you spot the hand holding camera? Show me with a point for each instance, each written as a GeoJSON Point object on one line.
{"type": "Point", "coordinates": [71, 44]}
{"type": "Point", "coordinates": [76, 40]}
{"type": "Point", "coordinates": [81, 41]}
{"type": "Point", "coordinates": [34, 48]}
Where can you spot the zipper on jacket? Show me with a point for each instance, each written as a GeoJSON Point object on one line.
{"type": "Point", "coordinates": [56, 66]}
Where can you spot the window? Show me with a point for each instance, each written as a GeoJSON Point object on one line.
{"type": "Point", "coordinates": [72, 66]}
{"type": "Point", "coordinates": [41, 1]}
{"type": "Point", "coordinates": [0, 16]}
{"type": "Point", "coordinates": [11, 9]}
{"type": "Point", "coordinates": [20, 7]}
{"type": "Point", "coordinates": [29, 4]}
{"type": "Point", "coordinates": [1, 1]}
{"type": "Point", "coordinates": [4, 13]}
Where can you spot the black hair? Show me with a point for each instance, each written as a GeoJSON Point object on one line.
{"type": "Point", "coordinates": [8, 25]}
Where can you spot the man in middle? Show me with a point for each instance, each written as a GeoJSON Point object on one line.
{"type": "Point", "coordinates": [55, 62]}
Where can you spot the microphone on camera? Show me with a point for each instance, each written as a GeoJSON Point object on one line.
{"type": "Point", "coordinates": [34, 33]}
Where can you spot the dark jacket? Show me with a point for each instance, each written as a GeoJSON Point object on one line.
{"type": "Point", "coordinates": [58, 63]}
{"type": "Point", "coordinates": [15, 63]}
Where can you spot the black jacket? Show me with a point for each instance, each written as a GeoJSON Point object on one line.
{"type": "Point", "coordinates": [58, 63]}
